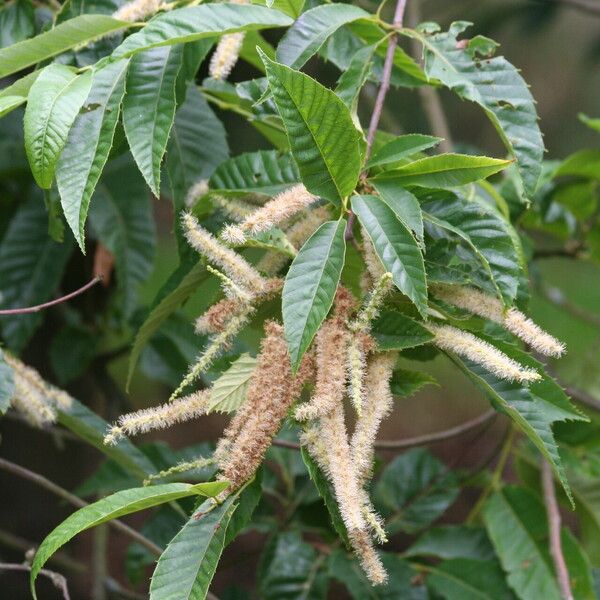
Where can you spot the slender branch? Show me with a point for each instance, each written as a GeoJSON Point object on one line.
{"type": "Point", "coordinates": [419, 440]}
{"type": "Point", "coordinates": [42, 481]}
{"type": "Point", "coordinates": [38, 307]}
{"type": "Point", "coordinates": [554, 529]}
{"type": "Point", "coordinates": [57, 579]}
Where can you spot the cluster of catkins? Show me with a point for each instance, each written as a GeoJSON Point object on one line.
{"type": "Point", "coordinates": [343, 362]}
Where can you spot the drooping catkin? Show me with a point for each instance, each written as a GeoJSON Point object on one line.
{"type": "Point", "coordinates": [280, 208]}
{"type": "Point", "coordinates": [159, 417]}
{"type": "Point", "coordinates": [233, 208]}
{"type": "Point", "coordinates": [138, 10]}
{"type": "Point", "coordinates": [196, 191]}
{"type": "Point", "coordinates": [368, 557]}
{"type": "Point", "coordinates": [467, 345]}
{"type": "Point", "coordinates": [489, 307]}
{"type": "Point", "coordinates": [238, 269]}
{"type": "Point", "coordinates": [226, 55]}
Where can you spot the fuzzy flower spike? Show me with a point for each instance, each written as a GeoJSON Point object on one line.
{"type": "Point", "coordinates": [138, 10]}
{"type": "Point", "coordinates": [489, 307]}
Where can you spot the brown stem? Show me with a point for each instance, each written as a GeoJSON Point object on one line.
{"type": "Point", "coordinates": [554, 529]}
{"type": "Point", "coordinates": [57, 579]}
{"type": "Point", "coordinates": [419, 440]}
{"type": "Point", "coordinates": [38, 307]}
{"type": "Point", "coordinates": [40, 480]}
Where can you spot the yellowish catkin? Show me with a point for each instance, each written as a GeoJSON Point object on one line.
{"type": "Point", "coordinates": [467, 345]}
{"type": "Point", "coordinates": [489, 307]}
{"type": "Point", "coordinates": [371, 308]}
{"type": "Point", "coordinates": [226, 55]}
{"type": "Point", "coordinates": [230, 288]}
{"type": "Point", "coordinates": [235, 209]}
{"type": "Point", "coordinates": [355, 360]}
{"type": "Point", "coordinates": [280, 208]}
{"type": "Point", "coordinates": [238, 269]}
{"type": "Point", "coordinates": [159, 417]}
{"type": "Point", "coordinates": [182, 467]}
{"type": "Point", "coordinates": [138, 10]}
{"type": "Point", "coordinates": [368, 557]}
{"type": "Point", "coordinates": [196, 191]}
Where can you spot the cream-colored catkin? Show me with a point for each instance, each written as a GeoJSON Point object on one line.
{"type": "Point", "coordinates": [196, 191]}
{"type": "Point", "coordinates": [238, 269]}
{"type": "Point", "coordinates": [487, 306]}
{"type": "Point", "coordinates": [467, 345]}
{"type": "Point", "coordinates": [280, 208]}
{"type": "Point", "coordinates": [368, 557]}
{"type": "Point", "coordinates": [233, 208]}
{"type": "Point", "coordinates": [355, 362]}
{"type": "Point", "coordinates": [182, 467]}
{"type": "Point", "coordinates": [226, 55]}
{"type": "Point", "coordinates": [159, 417]}
{"type": "Point", "coordinates": [138, 10]}
{"type": "Point", "coordinates": [375, 267]}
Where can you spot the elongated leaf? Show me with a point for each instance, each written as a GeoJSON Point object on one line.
{"type": "Point", "coordinates": [16, 94]}
{"type": "Point", "coordinates": [403, 147]}
{"type": "Point", "coordinates": [353, 79]}
{"type": "Point", "coordinates": [394, 331]}
{"type": "Point", "coordinates": [407, 383]}
{"type": "Point", "coordinates": [65, 36]}
{"type": "Point", "coordinates": [229, 391]}
{"type": "Point", "coordinates": [404, 204]}
{"type": "Point", "coordinates": [322, 136]}
{"type": "Point", "coordinates": [578, 565]}
{"type": "Point", "coordinates": [487, 237]}
{"type": "Point", "coordinates": [396, 247]}
{"type": "Point", "coordinates": [444, 171]}
{"type": "Point", "coordinates": [453, 541]}
{"type": "Point", "coordinates": [197, 22]}
{"type": "Point", "coordinates": [17, 22]}
{"type": "Point", "coordinates": [534, 409]}
{"type": "Point", "coordinates": [9, 103]}
{"type": "Point", "coordinates": [88, 145]}
{"type": "Point", "coordinates": [113, 507]}
{"type": "Point", "coordinates": [516, 523]}
{"type": "Point", "coordinates": [186, 568]}
{"type": "Point", "coordinates": [310, 286]}
{"type": "Point", "coordinates": [585, 163]}
{"type": "Point", "coordinates": [121, 218]}
{"type": "Point", "coordinates": [149, 108]}
{"type": "Point", "coordinates": [264, 172]}
{"type": "Point", "coordinates": [7, 385]}
{"type": "Point", "coordinates": [312, 29]}
{"type": "Point", "coordinates": [186, 282]}
{"type": "Point", "coordinates": [53, 103]}
{"type": "Point", "coordinates": [496, 86]}
{"type": "Point", "coordinates": [590, 122]}
{"type": "Point", "coordinates": [31, 266]}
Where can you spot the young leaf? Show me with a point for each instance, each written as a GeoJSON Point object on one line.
{"type": "Point", "coordinates": [444, 171]}
{"type": "Point", "coordinates": [406, 383]}
{"type": "Point", "coordinates": [88, 145]}
{"type": "Point", "coordinates": [312, 30]}
{"type": "Point", "coordinates": [197, 22]}
{"type": "Point", "coordinates": [402, 147]}
{"type": "Point", "coordinates": [396, 247]}
{"type": "Point", "coordinates": [590, 122]}
{"type": "Point", "coordinates": [186, 568]}
{"type": "Point", "coordinates": [67, 35]}
{"type": "Point", "coordinates": [7, 385]}
{"type": "Point", "coordinates": [496, 86]}
{"type": "Point", "coordinates": [404, 204]}
{"type": "Point", "coordinates": [113, 507]}
{"type": "Point", "coordinates": [310, 286]}
{"type": "Point", "coordinates": [149, 108]}
{"type": "Point", "coordinates": [516, 523]}
{"type": "Point", "coordinates": [322, 135]}
{"type": "Point", "coordinates": [229, 391]}
{"type": "Point", "coordinates": [394, 331]}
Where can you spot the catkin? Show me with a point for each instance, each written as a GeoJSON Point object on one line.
{"type": "Point", "coordinates": [138, 10]}
{"type": "Point", "coordinates": [226, 55]}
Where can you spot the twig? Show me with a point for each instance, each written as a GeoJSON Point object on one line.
{"type": "Point", "coordinates": [419, 440]}
{"type": "Point", "coordinates": [562, 574]}
{"type": "Point", "coordinates": [75, 501]}
{"type": "Point", "coordinates": [38, 307]}
{"type": "Point", "coordinates": [57, 579]}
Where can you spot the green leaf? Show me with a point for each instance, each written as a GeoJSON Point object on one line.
{"type": "Point", "coordinates": [186, 568]}
{"type": "Point", "coordinates": [407, 383]}
{"type": "Point", "coordinates": [516, 523]}
{"type": "Point", "coordinates": [264, 172]}
{"type": "Point", "coordinates": [469, 579]}
{"type": "Point", "coordinates": [394, 331]}
{"type": "Point", "coordinates": [312, 30]}
{"type": "Point", "coordinates": [293, 570]}
{"type": "Point", "coordinates": [322, 135]}
{"type": "Point", "coordinates": [229, 391]}
{"type": "Point", "coordinates": [31, 267]}
{"type": "Point", "coordinates": [122, 219]}
{"type": "Point", "coordinates": [414, 490]}
{"type": "Point", "coordinates": [67, 35]}
{"type": "Point", "coordinates": [16, 94]}
{"type": "Point", "coordinates": [396, 247]}
{"type": "Point", "coordinates": [71, 351]}
{"type": "Point", "coordinates": [497, 87]}
{"type": "Point", "coordinates": [310, 286]}
{"type": "Point", "coordinates": [353, 79]}
{"type": "Point", "coordinates": [585, 163]}
{"type": "Point", "coordinates": [9, 103]}
{"type": "Point", "coordinates": [534, 409]}
{"type": "Point", "coordinates": [402, 147]}
{"type": "Point", "coordinates": [249, 498]}
{"type": "Point", "coordinates": [197, 22]}
{"type": "Point", "coordinates": [149, 108]}
{"type": "Point", "coordinates": [88, 145]}
{"type": "Point", "coordinates": [293, 8]}
{"type": "Point", "coordinates": [487, 237]}
{"type": "Point", "coordinates": [17, 22]}
{"type": "Point", "coordinates": [444, 171]}
{"type": "Point", "coordinates": [404, 204]}
{"type": "Point", "coordinates": [453, 541]}
{"type": "Point", "coordinates": [590, 122]}
{"type": "Point", "coordinates": [578, 565]}
{"type": "Point", "coordinates": [187, 282]}
{"type": "Point", "coordinates": [52, 105]}
{"type": "Point", "coordinates": [7, 385]}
